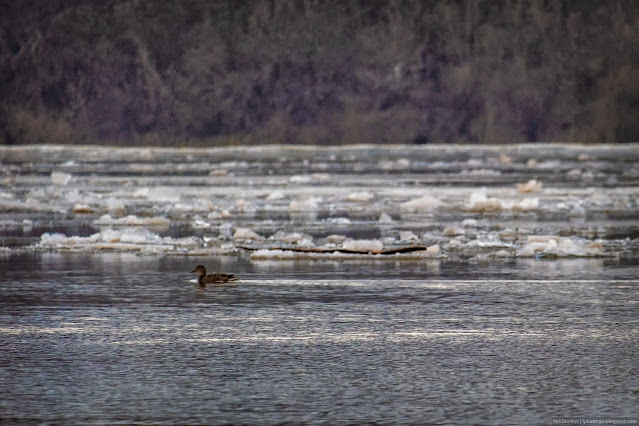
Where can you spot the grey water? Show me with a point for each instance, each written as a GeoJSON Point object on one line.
{"type": "Point", "coordinates": [122, 338]}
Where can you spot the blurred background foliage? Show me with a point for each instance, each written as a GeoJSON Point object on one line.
{"type": "Point", "coordinates": [196, 72]}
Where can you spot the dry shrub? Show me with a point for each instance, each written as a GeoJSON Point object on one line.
{"type": "Point", "coordinates": [28, 127]}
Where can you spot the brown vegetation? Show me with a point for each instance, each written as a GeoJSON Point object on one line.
{"type": "Point", "coordinates": [326, 72]}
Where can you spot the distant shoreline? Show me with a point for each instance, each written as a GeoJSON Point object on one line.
{"type": "Point", "coordinates": [226, 73]}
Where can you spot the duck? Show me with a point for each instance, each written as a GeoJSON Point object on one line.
{"type": "Point", "coordinates": [216, 278]}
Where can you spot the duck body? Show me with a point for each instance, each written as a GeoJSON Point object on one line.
{"type": "Point", "coordinates": [216, 278]}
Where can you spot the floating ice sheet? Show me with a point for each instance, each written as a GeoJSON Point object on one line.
{"type": "Point", "coordinates": [326, 198]}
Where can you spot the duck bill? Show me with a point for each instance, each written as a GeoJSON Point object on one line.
{"type": "Point", "coordinates": [195, 270]}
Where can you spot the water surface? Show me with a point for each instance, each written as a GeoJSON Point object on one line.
{"type": "Point", "coordinates": [116, 337]}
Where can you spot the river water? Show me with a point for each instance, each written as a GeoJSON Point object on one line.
{"type": "Point", "coordinates": [377, 285]}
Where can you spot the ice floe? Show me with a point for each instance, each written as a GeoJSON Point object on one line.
{"type": "Point", "coordinates": [471, 202]}
{"type": "Point", "coordinates": [60, 178]}
{"type": "Point", "coordinates": [243, 234]}
{"type": "Point", "coordinates": [550, 245]}
{"type": "Point", "coordinates": [361, 197]}
{"type": "Point", "coordinates": [421, 204]}
{"type": "Point", "coordinates": [479, 202]}
{"type": "Point", "coordinates": [131, 239]}
{"type": "Point", "coordinates": [385, 218]}
{"type": "Point", "coordinates": [362, 245]}
{"type": "Point", "coordinates": [531, 186]}
{"type": "Point", "coordinates": [302, 205]}
{"type": "Point", "coordinates": [131, 220]}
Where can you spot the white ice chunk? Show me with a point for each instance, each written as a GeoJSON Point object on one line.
{"type": "Point", "coordinates": [116, 207]}
{"type": "Point", "coordinates": [541, 238]}
{"type": "Point", "coordinates": [60, 178]}
{"type": "Point", "coordinates": [339, 220]}
{"type": "Point", "coordinates": [361, 197]}
{"type": "Point", "coordinates": [475, 162]}
{"type": "Point", "coordinates": [577, 211]}
{"type": "Point", "coordinates": [305, 179]}
{"type": "Point", "coordinates": [550, 245]}
{"type": "Point", "coordinates": [469, 222]}
{"type": "Point", "coordinates": [141, 193]}
{"type": "Point", "coordinates": [219, 172]}
{"type": "Point", "coordinates": [274, 196]}
{"type": "Point", "coordinates": [110, 236]}
{"type": "Point", "coordinates": [300, 179]}
{"type": "Point", "coordinates": [320, 177]}
{"type": "Point", "coordinates": [425, 203]}
{"type": "Point", "coordinates": [105, 219]}
{"type": "Point", "coordinates": [531, 186]}
{"type": "Point", "coordinates": [200, 224]}
{"type": "Point", "coordinates": [407, 236]}
{"type": "Point", "coordinates": [433, 250]}
{"type": "Point", "coordinates": [527, 204]}
{"type": "Point", "coordinates": [479, 202]}
{"type": "Point", "coordinates": [182, 207]}
{"type": "Point", "coordinates": [307, 204]}
{"type": "Point", "coordinates": [291, 238]}
{"type": "Point", "coordinates": [454, 230]}
{"type": "Point", "coordinates": [52, 239]}
{"type": "Point", "coordinates": [363, 245]}
{"type": "Point", "coordinates": [384, 218]}
{"type": "Point", "coordinates": [549, 164]}
{"type": "Point", "coordinates": [163, 194]}
{"type": "Point", "coordinates": [138, 236]}
{"type": "Point", "coordinates": [246, 234]}
{"type": "Point", "coordinates": [244, 206]}
{"type": "Point", "coordinates": [132, 220]}
{"type": "Point", "coordinates": [554, 245]}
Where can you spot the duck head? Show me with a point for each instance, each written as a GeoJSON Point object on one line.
{"type": "Point", "coordinates": [199, 269]}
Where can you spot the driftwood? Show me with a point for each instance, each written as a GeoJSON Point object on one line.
{"type": "Point", "coordinates": [407, 249]}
